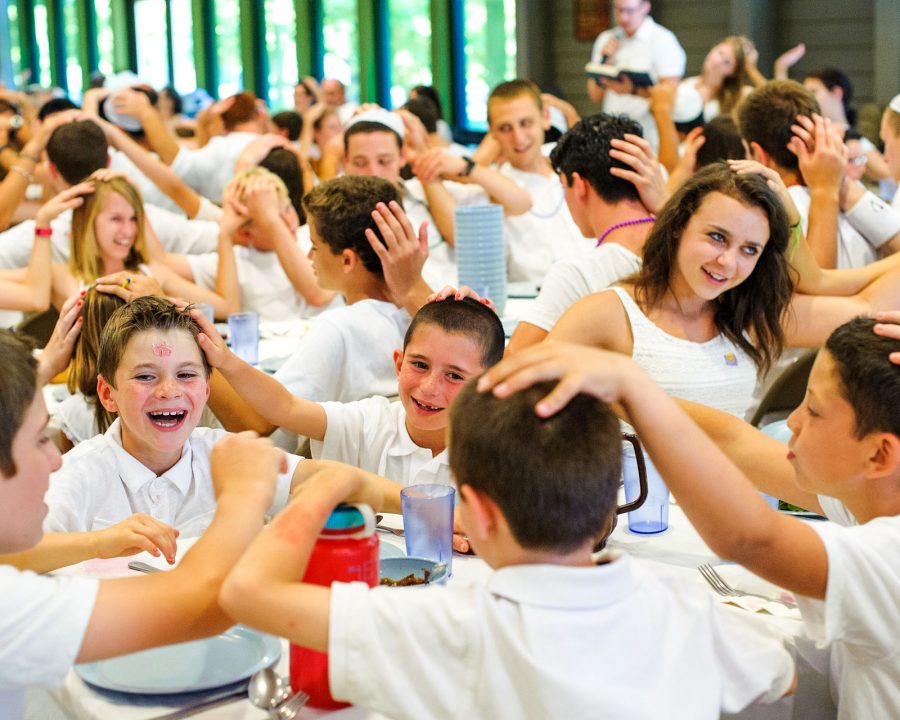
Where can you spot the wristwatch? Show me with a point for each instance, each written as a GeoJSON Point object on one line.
{"type": "Point", "coordinates": [470, 166]}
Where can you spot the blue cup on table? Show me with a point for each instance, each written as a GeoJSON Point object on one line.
{"type": "Point", "coordinates": [652, 516]}
{"type": "Point", "coordinates": [208, 310]}
{"type": "Point", "coordinates": [480, 251]}
{"type": "Point", "coordinates": [428, 522]}
{"type": "Point", "coordinates": [243, 331]}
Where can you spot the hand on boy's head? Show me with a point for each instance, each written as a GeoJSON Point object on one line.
{"type": "Point", "coordinates": [260, 198]}
{"type": "Point", "coordinates": [209, 339]}
{"type": "Point", "coordinates": [138, 533]}
{"type": "Point", "coordinates": [58, 351]}
{"type": "Point", "coordinates": [105, 175]}
{"type": "Point", "coordinates": [68, 199]}
{"type": "Point", "coordinates": [244, 464]}
{"type": "Point", "coordinates": [464, 291]}
{"type": "Point", "coordinates": [644, 172]}
{"type": "Point", "coordinates": [578, 368]}
{"type": "Point", "coordinates": [129, 285]}
{"type": "Point", "coordinates": [889, 326]}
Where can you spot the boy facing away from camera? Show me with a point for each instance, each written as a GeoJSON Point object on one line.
{"type": "Point", "coordinates": [537, 639]}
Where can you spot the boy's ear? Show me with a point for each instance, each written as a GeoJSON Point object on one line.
{"type": "Point", "coordinates": [398, 361]}
{"type": "Point", "coordinates": [105, 395]}
{"type": "Point", "coordinates": [349, 260]}
{"type": "Point", "coordinates": [761, 156]}
{"type": "Point", "coordinates": [885, 460]}
{"type": "Point", "coordinates": [483, 515]}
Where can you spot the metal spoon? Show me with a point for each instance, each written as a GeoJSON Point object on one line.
{"type": "Point", "coordinates": [266, 689]}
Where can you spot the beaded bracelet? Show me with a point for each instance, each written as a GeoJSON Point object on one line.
{"type": "Point", "coordinates": [23, 172]}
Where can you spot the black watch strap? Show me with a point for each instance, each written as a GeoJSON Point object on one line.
{"type": "Point", "coordinates": [470, 166]}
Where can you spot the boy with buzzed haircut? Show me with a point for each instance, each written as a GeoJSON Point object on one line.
{"type": "Point", "coordinates": [843, 460]}
{"type": "Point", "coordinates": [534, 496]}
{"type": "Point", "coordinates": [49, 623]}
{"type": "Point", "coordinates": [517, 120]}
{"type": "Point", "coordinates": [448, 342]}
{"type": "Point", "coordinates": [769, 117]}
{"type": "Point", "coordinates": [153, 459]}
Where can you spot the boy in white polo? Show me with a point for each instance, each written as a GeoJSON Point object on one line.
{"type": "Point", "coordinates": [447, 342]}
{"type": "Point", "coordinates": [49, 623]}
{"type": "Point", "coordinates": [843, 460]}
{"type": "Point", "coordinates": [152, 459]}
{"type": "Point", "coordinates": [553, 633]}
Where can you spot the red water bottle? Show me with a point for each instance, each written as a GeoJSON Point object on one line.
{"type": "Point", "coordinates": [347, 550]}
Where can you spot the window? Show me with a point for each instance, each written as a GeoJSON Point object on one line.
{"type": "Point", "coordinates": [151, 42]}
{"type": "Point", "coordinates": [105, 42]}
{"type": "Point", "coordinates": [74, 73]}
{"type": "Point", "coordinates": [490, 47]}
{"type": "Point", "coordinates": [341, 43]}
{"type": "Point", "coordinates": [42, 35]}
{"type": "Point", "coordinates": [184, 74]}
{"type": "Point", "coordinates": [410, 37]}
{"type": "Point", "coordinates": [281, 49]}
{"type": "Point", "coordinates": [228, 47]}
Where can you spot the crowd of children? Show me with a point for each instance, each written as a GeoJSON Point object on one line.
{"type": "Point", "coordinates": [667, 303]}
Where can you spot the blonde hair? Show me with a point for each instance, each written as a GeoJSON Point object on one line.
{"type": "Point", "coordinates": [729, 95]}
{"type": "Point", "coordinates": [240, 180]}
{"type": "Point", "coordinates": [85, 262]}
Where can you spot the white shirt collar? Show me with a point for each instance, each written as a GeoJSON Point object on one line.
{"type": "Point", "coordinates": [404, 446]}
{"type": "Point", "coordinates": [135, 475]}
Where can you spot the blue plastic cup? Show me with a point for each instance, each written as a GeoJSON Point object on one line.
{"type": "Point", "coordinates": [653, 516]}
{"type": "Point", "coordinates": [207, 310]}
{"type": "Point", "coordinates": [243, 331]}
{"type": "Point", "coordinates": [428, 521]}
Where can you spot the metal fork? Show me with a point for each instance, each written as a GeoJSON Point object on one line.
{"type": "Point", "coordinates": [384, 528]}
{"type": "Point", "coordinates": [719, 584]}
{"type": "Point", "coordinates": [289, 708]}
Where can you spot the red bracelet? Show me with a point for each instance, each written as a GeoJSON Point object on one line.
{"type": "Point", "coordinates": [43, 232]}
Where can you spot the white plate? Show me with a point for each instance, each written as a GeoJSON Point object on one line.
{"type": "Point", "coordinates": [199, 665]}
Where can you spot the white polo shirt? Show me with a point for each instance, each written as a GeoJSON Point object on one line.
{"type": "Point", "coordinates": [859, 620]}
{"type": "Point", "coordinates": [548, 641]}
{"type": "Point", "coordinates": [100, 484]}
{"type": "Point", "coordinates": [371, 434]}
{"type": "Point", "coordinates": [347, 353]}
{"type": "Point", "coordinates": [546, 233]}
{"type": "Point", "coordinates": [42, 625]}
{"type": "Point", "coordinates": [208, 169]}
{"type": "Point", "coordinates": [652, 48]}
{"type": "Point", "coordinates": [570, 280]}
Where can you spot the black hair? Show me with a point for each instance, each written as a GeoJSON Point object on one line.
{"type": "Point", "coordinates": [55, 105]}
{"type": "Point", "coordinates": [172, 94]}
{"type": "Point", "coordinates": [284, 164]}
{"type": "Point", "coordinates": [430, 92]}
{"type": "Point", "coordinates": [831, 78]}
{"type": "Point", "coordinates": [364, 127]}
{"type": "Point", "coordinates": [584, 149]}
{"type": "Point", "coordinates": [425, 110]}
{"type": "Point", "coordinates": [466, 317]}
{"type": "Point", "coordinates": [78, 149]}
{"type": "Point", "coordinates": [290, 121]}
{"type": "Point", "coordinates": [555, 479]}
{"type": "Point", "coordinates": [722, 141]}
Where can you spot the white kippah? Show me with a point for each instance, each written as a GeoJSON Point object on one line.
{"type": "Point", "coordinates": [894, 104]}
{"type": "Point", "coordinates": [390, 120]}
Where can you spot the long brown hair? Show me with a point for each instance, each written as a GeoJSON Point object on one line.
{"type": "Point", "coordinates": [729, 95]}
{"type": "Point", "coordinates": [759, 303]}
{"type": "Point", "coordinates": [84, 259]}
{"type": "Point", "coordinates": [98, 308]}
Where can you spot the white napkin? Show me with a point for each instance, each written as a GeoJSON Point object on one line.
{"type": "Point", "coordinates": [743, 580]}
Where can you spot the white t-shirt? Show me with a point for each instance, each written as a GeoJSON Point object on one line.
{"type": "Point", "coordinates": [100, 484]}
{"type": "Point", "coordinates": [347, 353]}
{"type": "Point", "coordinates": [208, 169]}
{"type": "Point", "coordinates": [42, 625]}
{"type": "Point", "coordinates": [371, 434]}
{"type": "Point", "coordinates": [546, 233]}
{"type": "Point", "coordinates": [860, 617]}
{"type": "Point", "coordinates": [150, 192]}
{"type": "Point", "coordinates": [853, 249]}
{"type": "Point", "coordinates": [570, 280]}
{"type": "Point", "coordinates": [265, 287]}
{"type": "Point", "coordinates": [716, 373]}
{"type": "Point", "coordinates": [548, 641]}
{"type": "Point", "coordinates": [652, 48]}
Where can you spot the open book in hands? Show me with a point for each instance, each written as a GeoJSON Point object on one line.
{"type": "Point", "coordinates": [601, 72]}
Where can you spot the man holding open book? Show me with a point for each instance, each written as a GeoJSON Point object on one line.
{"type": "Point", "coordinates": [636, 48]}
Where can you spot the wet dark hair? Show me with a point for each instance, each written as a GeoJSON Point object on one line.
{"type": "Point", "coordinates": [868, 380]}
{"type": "Point", "coordinates": [430, 92]}
{"type": "Point", "coordinates": [341, 210]}
{"type": "Point", "coordinates": [584, 149]}
{"type": "Point", "coordinates": [18, 385]}
{"type": "Point", "coordinates": [284, 164]}
{"type": "Point", "coordinates": [466, 317]}
{"type": "Point", "coordinates": [172, 94]}
{"type": "Point", "coordinates": [722, 141]}
{"type": "Point", "coordinates": [760, 302]}
{"type": "Point", "coordinates": [55, 105]}
{"type": "Point", "coordinates": [766, 115]}
{"type": "Point", "coordinates": [555, 479]}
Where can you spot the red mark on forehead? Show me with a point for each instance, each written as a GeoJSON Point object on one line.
{"type": "Point", "coordinates": [162, 349]}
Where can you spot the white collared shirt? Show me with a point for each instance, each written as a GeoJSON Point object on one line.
{"type": "Point", "coordinates": [548, 641]}
{"type": "Point", "coordinates": [208, 169]}
{"type": "Point", "coordinates": [371, 434]}
{"type": "Point", "coordinates": [652, 48]}
{"type": "Point", "coordinates": [100, 484]}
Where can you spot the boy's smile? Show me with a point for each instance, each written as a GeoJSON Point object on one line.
{"type": "Point", "coordinates": [159, 396]}
{"type": "Point", "coordinates": [430, 372]}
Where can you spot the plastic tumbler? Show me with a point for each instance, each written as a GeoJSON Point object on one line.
{"type": "Point", "coordinates": [243, 330]}
{"type": "Point", "coordinates": [653, 516]}
{"type": "Point", "coordinates": [208, 310]}
{"type": "Point", "coordinates": [428, 522]}
{"type": "Point", "coordinates": [480, 250]}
